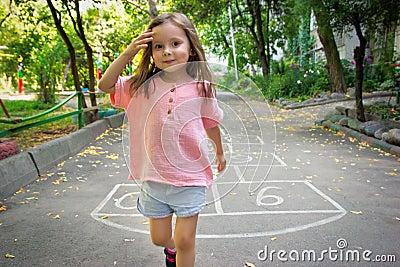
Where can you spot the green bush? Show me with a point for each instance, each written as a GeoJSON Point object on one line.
{"type": "Point", "coordinates": [349, 72]}
{"type": "Point", "coordinates": [244, 84]}
{"type": "Point", "coordinates": [387, 85]}
{"type": "Point", "coordinates": [369, 86]}
{"type": "Point", "coordinates": [295, 82]}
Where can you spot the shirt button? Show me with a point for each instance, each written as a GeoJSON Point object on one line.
{"type": "Point", "coordinates": [169, 111]}
{"type": "Point", "coordinates": [171, 100]}
{"type": "Point", "coordinates": [172, 90]}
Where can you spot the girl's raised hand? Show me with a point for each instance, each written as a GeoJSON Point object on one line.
{"type": "Point", "coordinates": [141, 42]}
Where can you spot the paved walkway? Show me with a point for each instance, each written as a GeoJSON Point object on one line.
{"type": "Point", "coordinates": [318, 197]}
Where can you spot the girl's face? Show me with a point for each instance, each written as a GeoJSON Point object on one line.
{"type": "Point", "coordinates": [170, 46]}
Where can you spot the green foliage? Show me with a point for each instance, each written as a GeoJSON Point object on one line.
{"type": "Point", "coordinates": [212, 20]}
{"type": "Point", "coordinates": [28, 30]}
{"type": "Point", "coordinates": [297, 29]}
{"type": "Point", "coordinates": [387, 85]}
{"type": "Point", "coordinates": [288, 80]}
{"type": "Point", "coordinates": [36, 41]}
{"type": "Point", "coordinates": [369, 85]}
{"type": "Point", "coordinates": [349, 72]}
{"type": "Point", "coordinates": [279, 67]}
{"type": "Point", "coordinates": [295, 81]}
{"type": "Point", "coordinates": [244, 85]}
{"type": "Point", "coordinates": [384, 110]}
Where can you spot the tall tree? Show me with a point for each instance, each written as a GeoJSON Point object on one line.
{"type": "Point", "coordinates": [364, 17]}
{"type": "Point", "coordinates": [333, 66]}
{"type": "Point", "coordinates": [256, 26]}
{"type": "Point", "coordinates": [76, 18]}
{"type": "Point", "coordinates": [57, 16]}
{"type": "Point", "coordinates": [297, 30]}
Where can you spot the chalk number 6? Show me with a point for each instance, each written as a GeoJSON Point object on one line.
{"type": "Point", "coordinates": [261, 197]}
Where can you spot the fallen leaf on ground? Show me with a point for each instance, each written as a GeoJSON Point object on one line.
{"type": "Point", "coordinates": [105, 217]}
{"type": "Point", "coordinates": [19, 191]}
{"type": "Point", "coordinates": [3, 208]}
{"type": "Point", "coordinates": [59, 180]}
{"type": "Point", "coordinates": [113, 156]}
{"type": "Point", "coordinates": [249, 264]}
{"type": "Point", "coordinates": [9, 256]}
{"type": "Point", "coordinates": [356, 212]}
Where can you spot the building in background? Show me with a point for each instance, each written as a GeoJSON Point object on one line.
{"type": "Point", "coordinates": [346, 42]}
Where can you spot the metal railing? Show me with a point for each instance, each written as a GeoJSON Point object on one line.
{"type": "Point", "coordinates": [78, 112]}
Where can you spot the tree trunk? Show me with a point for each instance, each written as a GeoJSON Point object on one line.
{"type": "Point", "coordinates": [267, 42]}
{"type": "Point", "coordinates": [359, 55]}
{"type": "Point", "coordinates": [325, 33]}
{"type": "Point", "coordinates": [92, 81]}
{"type": "Point", "coordinates": [152, 9]}
{"type": "Point", "coordinates": [261, 40]}
{"type": "Point", "coordinates": [256, 30]}
{"type": "Point", "coordinates": [74, 69]}
{"type": "Point", "coordinates": [89, 53]}
{"type": "Point", "coordinates": [44, 86]}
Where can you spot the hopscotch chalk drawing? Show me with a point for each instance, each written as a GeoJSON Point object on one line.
{"type": "Point", "coordinates": [241, 202]}
{"type": "Point", "coordinates": [277, 207]}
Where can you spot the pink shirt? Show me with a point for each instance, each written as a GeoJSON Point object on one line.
{"type": "Point", "coordinates": [167, 131]}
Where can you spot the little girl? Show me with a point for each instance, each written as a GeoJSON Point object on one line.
{"type": "Point", "coordinates": [171, 108]}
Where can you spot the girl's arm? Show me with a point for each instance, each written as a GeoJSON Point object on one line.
{"type": "Point", "coordinates": [110, 77]}
{"type": "Point", "coordinates": [215, 135]}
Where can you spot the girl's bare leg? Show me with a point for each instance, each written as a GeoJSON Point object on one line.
{"type": "Point", "coordinates": [161, 232]}
{"type": "Point", "coordinates": [185, 240]}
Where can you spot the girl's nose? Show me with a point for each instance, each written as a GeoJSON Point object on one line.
{"type": "Point", "coordinates": [166, 51]}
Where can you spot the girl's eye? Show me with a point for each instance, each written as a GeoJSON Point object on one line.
{"type": "Point", "coordinates": [176, 43]}
{"type": "Point", "coordinates": [157, 46]}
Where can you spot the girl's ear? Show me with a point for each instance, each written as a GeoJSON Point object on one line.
{"type": "Point", "coordinates": [192, 53]}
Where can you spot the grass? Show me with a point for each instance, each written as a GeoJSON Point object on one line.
{"type": "Point", "coordinates": [40, 134]}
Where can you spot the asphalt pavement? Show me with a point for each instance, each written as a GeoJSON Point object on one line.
{"type": "Point", "coordinates": [293, 194]}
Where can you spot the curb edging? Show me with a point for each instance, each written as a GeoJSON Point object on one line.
{"type": "Point", "coordinates": [24, 168]}
{"type": "Point", "coordinates": [373, 142]}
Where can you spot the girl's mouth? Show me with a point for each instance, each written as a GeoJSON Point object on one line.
{"type": "Point", "coordinates": [169, 61]}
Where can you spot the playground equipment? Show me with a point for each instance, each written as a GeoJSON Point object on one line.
{"type": "Point", "coordinates": [11, 120]}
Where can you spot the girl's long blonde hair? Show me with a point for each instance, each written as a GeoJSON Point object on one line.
{"type": "Point", "coordinates": [199, 70]}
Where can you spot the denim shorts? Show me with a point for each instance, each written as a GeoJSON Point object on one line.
{"type": "Point", "coordinates": [159, 200]}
